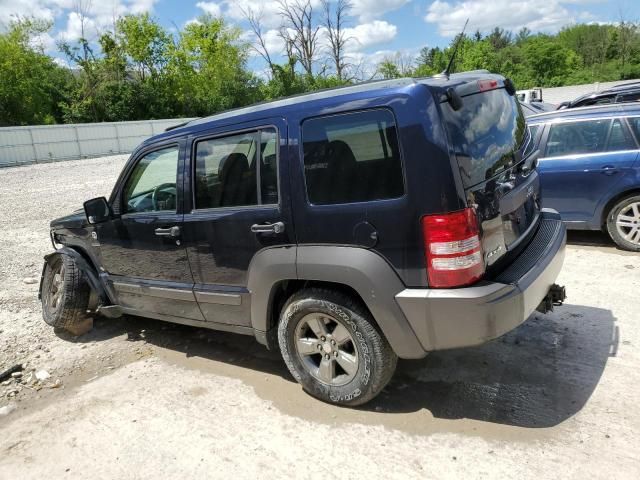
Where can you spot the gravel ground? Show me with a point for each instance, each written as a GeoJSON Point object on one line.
{"type": "Point", "coordinates": [136, 398]}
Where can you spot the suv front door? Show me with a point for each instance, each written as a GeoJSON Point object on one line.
{"type": "Point", "coordinates": [237, 205]}
{"type": "Point", "coordinates": [141, 248]}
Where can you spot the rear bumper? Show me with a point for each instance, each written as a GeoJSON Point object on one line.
{"type": "Point", "coordinates": [462, 317]}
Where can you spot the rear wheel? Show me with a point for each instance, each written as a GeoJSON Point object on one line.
{"type": "Point", "coordinates": [65, 293]}
{"type": "Point", "coordinates": [333, 348]}
{"type": "Point", "coordinates": [623, 223]}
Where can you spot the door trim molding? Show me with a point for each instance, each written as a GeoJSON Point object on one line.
{"type": "Point", "coordinates": [218, 298]}
{"type": "Point", "coordinates": [162, 292]}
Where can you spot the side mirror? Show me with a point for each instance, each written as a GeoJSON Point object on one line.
{"type": "Point", "coordinates": [97, 210]}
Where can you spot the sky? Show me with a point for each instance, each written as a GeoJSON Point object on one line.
{"type": "Point", "coordinates": [375, 27]}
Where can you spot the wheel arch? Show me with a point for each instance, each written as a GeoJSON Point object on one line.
{"type": "Point", "coordinates": [276, 273]}
{"type": "Point", "coordinates": [84, 263]}
{"type": "Point", "coordinates": [606, 209]}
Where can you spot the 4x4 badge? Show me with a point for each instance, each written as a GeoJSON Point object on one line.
{"type": "Point", "coordinates": [494, 252]}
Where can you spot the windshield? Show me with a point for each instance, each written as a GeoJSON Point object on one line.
{"type": "Point", "coordinates": [485, 134]}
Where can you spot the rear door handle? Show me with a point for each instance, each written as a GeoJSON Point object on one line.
{"type": "Point", "coordinates": [609, 170]}
{"type": "Point", "coordinates": [168, 232]}
{"type": "Point", "coordinates": [277, 227]}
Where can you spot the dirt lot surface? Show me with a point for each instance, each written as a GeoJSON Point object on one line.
{"type": "Point", "coordinates": [556, 398]}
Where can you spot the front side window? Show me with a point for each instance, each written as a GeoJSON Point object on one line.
{"type": "Point", "coordinates": [151, 187]}
{"type": "Point", "coordinates": [237, 170]}
{"type": "Point", "coordinates": [352, 157]}
{"type": "Point", "coordinates": [577, 138]}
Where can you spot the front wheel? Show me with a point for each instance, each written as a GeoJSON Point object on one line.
{"type": "Point", "coordinates": [333, 348]}
{"type": "Point", "coordinates": [623, 223]}
{"type": "Point", "coordinates": [65, 293]}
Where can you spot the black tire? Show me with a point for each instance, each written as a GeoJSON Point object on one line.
{"type": "Point", "coordinates": [70, 308]}
{"type": "Point", "coordinates": [375, 359]}
{"type": "Point", "coordinates": [616, 232]}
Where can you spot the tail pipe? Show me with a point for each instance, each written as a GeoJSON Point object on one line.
{"type": "Point", "coordinates": [554, 298]}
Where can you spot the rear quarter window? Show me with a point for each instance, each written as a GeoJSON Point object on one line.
{"type": "Point", "coordinates": [353, 157]}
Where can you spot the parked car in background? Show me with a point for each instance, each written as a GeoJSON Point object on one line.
{"type": "Point", "coordinates": [589, 168]}
{"type": "Point", "coordinates": [529, 96]}
{"type": "Point", "coordinates": [627, 92]}
{"type": "Point", "coordinates": [344, 228]}
{"type": "Point", "coordinates": [535, 108]}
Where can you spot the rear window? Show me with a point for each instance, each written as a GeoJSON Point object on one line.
{"type": "Point", "coordinates": [485, 134]}
{"type": "Point", "coordinates": [352, 157]}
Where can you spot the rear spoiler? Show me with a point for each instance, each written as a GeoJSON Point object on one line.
{"type": "Point", "coordinates": [454, 95]}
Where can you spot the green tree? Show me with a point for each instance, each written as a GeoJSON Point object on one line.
{"type": "Point", "coordinates": [548, 62]}
{"type": "Point", "coordinates": [32, 84]}
{"type": "Point", "coordinates": [208, 64]}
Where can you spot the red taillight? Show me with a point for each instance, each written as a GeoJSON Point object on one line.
{"type": "Point", "coordinates": [452, 249]}
{"type": "Point", "coordinates": [485, 85]}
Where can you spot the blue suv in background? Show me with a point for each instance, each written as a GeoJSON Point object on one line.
{"type": "Point", "coordinates": [590, 170]}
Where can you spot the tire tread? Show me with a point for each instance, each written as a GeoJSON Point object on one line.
{"type": "Point", "coordinates": [384, 357]}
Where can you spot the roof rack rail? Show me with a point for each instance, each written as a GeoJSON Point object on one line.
{"type": "Point", "coordinates": [173, 127]}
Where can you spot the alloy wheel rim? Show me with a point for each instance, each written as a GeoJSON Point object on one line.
{"type": "Point", "coordinates": [326, 349]}
{"type": "Point", "coordinates": [56, 289]}
{"type": "Point", "coordinates": [628, 223]}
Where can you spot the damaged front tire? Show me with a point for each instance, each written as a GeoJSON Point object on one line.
{"type": "Point", "coordinates": [65, 293]}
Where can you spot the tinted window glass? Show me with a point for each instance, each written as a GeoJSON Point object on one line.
{"type": "Point", "coordinates": [577, 138]}
{"type": "Point", "coordinates": [352, 158]}
{"type": "Point", "coordinates": [630, 97]}
{"type": "Point", "coordinates": [635, 125]}
{"type": "Point", "coordinates": [530, 141]}
{"type": "Point", "coordinates": [226, 170]}
{"type": "Point", "coordinates": [152, 184]}
{"type": "Point", "coordinates": [619, 138]}
{"type": "Point", "coordinates": [485, 134]}
{"type": "Point", "coordinates": [269, 146]}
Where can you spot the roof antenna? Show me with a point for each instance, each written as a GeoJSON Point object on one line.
{"type": "Point", "coordinates": [455, 50]}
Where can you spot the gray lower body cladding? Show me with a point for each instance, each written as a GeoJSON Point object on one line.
{"type": "Point", "coordinates": [462, 317]}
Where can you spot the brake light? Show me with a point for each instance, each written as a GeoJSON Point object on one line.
{"type": "Point", "coordinates": [452, 249]}
{"type": "Point", "coordinates": [485, 85]}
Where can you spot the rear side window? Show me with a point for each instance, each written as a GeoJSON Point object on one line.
{"type": "Point", "coordinates": [237, 170]}
{"type": "Point", "coordinates": [635, 125]}
{"type": "Point", "coordinates": [619, 138]}
{"type": "Point", "coordinates": [352, 157]}
{"type": "Point", "coordinates": [577, 138]}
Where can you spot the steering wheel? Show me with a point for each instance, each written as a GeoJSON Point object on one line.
{"type": "Point", "coordinates": [156, 190]}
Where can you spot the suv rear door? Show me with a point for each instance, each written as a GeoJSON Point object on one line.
{"type": "Point", "coordinates": [582, 162]}
{"type": "Point", "coordinates": [349, 185]}
{"type": "Point", "coordinates": [236, 203]}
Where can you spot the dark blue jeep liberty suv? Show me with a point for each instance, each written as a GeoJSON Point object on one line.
{"type": "Point", "coordinates": [345, 228]}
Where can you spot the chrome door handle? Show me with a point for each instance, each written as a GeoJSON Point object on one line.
{"type": "Point", "coordinates": [277, 227]}
{"type": "Point", "coordinates": [609, 170]}
{"type": "Point", "coordinates": [168, 232]}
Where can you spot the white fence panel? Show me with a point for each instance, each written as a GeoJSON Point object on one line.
{"type": "Point", "coordinates": [49, 143]}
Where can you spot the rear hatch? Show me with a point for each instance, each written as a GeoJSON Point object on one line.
{"type": "Point", "coordinates": [493, 152]}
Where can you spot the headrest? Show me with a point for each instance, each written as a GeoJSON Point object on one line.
{"type": "Point", "coordinates": [234, 162]}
